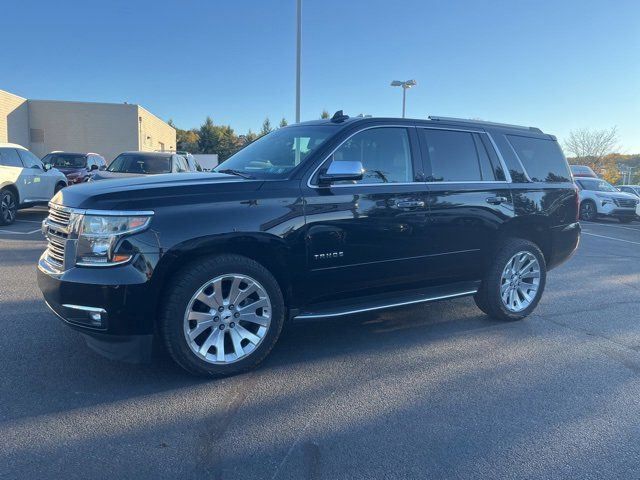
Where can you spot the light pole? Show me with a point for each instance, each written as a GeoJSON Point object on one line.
{"type": "Point", "coordinates": [405, 85]}
{"type": "Point", "coordinates": [298, 50]}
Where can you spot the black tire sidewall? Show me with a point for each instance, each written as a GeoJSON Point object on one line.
{"type": "Point", "coordinates": [186, 283]}
{"type": "Point", "coordinates": [15, 202]}
{"type": "Point", "coordinates": [594, 213]}
{"type": "Point", "coordinates": [489, 299]}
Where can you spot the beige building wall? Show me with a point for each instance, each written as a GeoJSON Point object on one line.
{"type": "Point", "coordinates": [155, 134]}
{"type": "Point", "coordinates": [14, 119]}
{"type": "Point", "coordinates": [105, 128]}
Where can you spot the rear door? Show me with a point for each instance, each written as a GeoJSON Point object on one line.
{"type": "Point", "coordinates": [369, 233]}
{"type": "Point", "coordinates": [469, 199]}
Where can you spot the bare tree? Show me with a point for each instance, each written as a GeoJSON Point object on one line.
{"type": "Point", "coordinates": [592, 146]}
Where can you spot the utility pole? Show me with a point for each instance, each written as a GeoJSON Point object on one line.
{"type": "Point", "coordinates": [298, 56]}
{"type": "Point", "coordinates": [405, 86]}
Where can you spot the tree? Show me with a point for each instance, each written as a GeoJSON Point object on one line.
{"type": "Point", "coordinates": [595, 148]}
{"type": "Point", "coordinates": [283, 122]}
{"type": "Point", "coordinates": [592, 145]}
{"type": "Point", "coordinates": [187, 140]}
{"type": "Point", "coordinates": [324, 114]}
{"type": "Point", "coordinates": [266, 127]}
{"type": "Point", "coordinates": [208, 137]}
{"type": "Point", "coordinates": [250, 137]}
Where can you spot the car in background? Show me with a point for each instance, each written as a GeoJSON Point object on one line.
{"type": "Point", "coordinates": [25, 181]}
{"type": "Point", "coordinates": [136, 164]}
{"type": "Point", "coordinates": [193, 163]}
{"type": "Point", "coordinates": [632, 189]}
{"type": "Point", "coordinates": [582, 171]}
{"type": "Point", "coordinates": [599, 198]}
{"type": "Point", "coordinates": [76, 166]}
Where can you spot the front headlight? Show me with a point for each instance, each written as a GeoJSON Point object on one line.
{"type": "Point", "coordinates": [98, 236]}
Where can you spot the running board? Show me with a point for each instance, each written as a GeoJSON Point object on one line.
{"type": "Point", "coordinates": [384, 301]}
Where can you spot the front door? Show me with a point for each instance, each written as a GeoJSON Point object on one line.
{"type": "Point", "coordinates": [370, 234]}
{"type": "Point", "coordinates": [469, 200]}
{"type": "Point", "coordinates": [38, 183]}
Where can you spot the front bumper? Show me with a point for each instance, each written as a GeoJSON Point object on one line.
{"type": "Point", "coordinates": [113, 307]}
{"type": "Point", "coordinates": [612, 210]}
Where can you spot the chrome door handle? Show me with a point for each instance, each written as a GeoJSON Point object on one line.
{"type": "Point", "coordinates": [496, 200]}
{"type": "Point", "coordinates": [410, 204]}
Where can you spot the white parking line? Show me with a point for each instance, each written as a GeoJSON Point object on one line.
{"type": "Point", "coordinates": [19, 233]}
{"type": "Point", "coordinates": [613, 226]}
{"type": "Point", "coordinates": [610, 238]}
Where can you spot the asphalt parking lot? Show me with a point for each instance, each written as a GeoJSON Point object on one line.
{"type": "Point", "coordinates": [433, 391]}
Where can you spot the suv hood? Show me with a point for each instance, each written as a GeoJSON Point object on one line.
{"type": "Point", "coordinates": [70, 170]}
{"type": "Point", "coordinates": [152, 191]}
{"type": "Point", "coordinates": [105, 175]}
{"type": "Point", "coordinates": [615, 195]}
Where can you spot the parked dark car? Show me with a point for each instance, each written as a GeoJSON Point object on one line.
{"type": "Point", "coordinates": [317, 220]}
{"type": "Point", "coordinates": [136, 164]}
{"type": "Point", "coordinates": [77, 167]}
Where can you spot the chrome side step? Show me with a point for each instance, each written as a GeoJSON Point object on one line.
{"type": "Point", "coordinates": [383, 302]}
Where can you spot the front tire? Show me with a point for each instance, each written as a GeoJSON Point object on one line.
{"type": "Point", "coordinates": [8, 207]}
{"type": "Point", "coordinates": [625, 219]}
{"type": "Point", "coordinates": [588, 211]}
{"type": "Point", "coordinates": [222, 315]}
{"type": "Point", "coordinates": [514, 282]}
{"type": "Point", "coordinates": [59, 187]}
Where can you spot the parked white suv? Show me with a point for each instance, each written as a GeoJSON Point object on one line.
{"type": "Point", "coordinates": [24, 181]}
{"type": "Point", "coordinates": [600, 198]}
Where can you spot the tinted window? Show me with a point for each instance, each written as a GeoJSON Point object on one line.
{"type": "Point", "coordinates": [145, 164]}
{"type": "Point", "coordinates": [384, 153]}
{"type": "Point", "coordinates": [181, 164]}
{"type": "Point", "coordinates": [29, 160]}
{"type": "Point", "coordinates": [456, 156]}
{"type": "Point", "coordinates": [9, 158]}
{"type": "Point", "coordinates": [596, 185]}
{"type": "Point", "coordinates": [542, 159]}
{"type": "Point", "coordinates": [66, 160]}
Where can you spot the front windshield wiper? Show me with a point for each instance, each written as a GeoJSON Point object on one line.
{"type": "Point", "coordinates": [231, 171]}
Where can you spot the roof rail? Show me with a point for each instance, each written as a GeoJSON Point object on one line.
{"type": "Point", "coordinates": [482, 122]}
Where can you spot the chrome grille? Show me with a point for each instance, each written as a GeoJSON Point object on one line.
{"type": "Point", "coordinates": [57, 232]}
{"type": "Point", "coordinates": [625, 202]}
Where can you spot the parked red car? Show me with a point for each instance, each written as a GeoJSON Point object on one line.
{"type": "Point", "coordinates": [76, 166]}
{"type": "Point", "coordinates": [582, 171]}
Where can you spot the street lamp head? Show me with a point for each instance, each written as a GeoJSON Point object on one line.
{"type": "Point", "coordinates": [410, 83]}
{"type": "Point", "coordinates": [396, 83]}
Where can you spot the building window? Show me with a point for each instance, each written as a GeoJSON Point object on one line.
{"type": "Point", "coordinates": [161, 146]}
{"type": "Point", "coordinates": [36, 135]}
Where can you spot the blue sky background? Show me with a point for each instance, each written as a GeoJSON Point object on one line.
{"type": "Point", "coordinates": [559, 65]}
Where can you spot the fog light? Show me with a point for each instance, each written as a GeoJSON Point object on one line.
{"type": "Point", "coordinates": [96, 318]}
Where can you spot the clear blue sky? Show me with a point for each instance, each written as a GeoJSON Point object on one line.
{"type": "Point", "coordinates": [559, 65]}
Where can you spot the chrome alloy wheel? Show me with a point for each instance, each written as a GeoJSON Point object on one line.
{"type": "Point", "coordinates": [520, 281]}
{"type": "Point", "coordinates": [227, 318]}
{"type": "Point", "coordinates": [7, 207]}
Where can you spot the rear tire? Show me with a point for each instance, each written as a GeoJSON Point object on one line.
{"type": "Point", "coordinates": [59, 187]}
{"type": "Point", "coordinates": [514, 282]}
{"type": "Point", "coordinates": [588, 211]}
{"type": "Point", "coordinates": [8, 206]}
{"type": "Point", "coordinates": [202, 329]}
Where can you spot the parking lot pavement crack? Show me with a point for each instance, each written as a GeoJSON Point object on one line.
{"type": "Point", "coordinates": [210, 442]}
{"type": "Point", "coordinates": [634, 350]}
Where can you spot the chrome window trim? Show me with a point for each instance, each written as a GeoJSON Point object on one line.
{"type": "Point", "coordinates": [468, 130]}
{"type": "Point", "coordinates": [526, 174]}
{"type": "Point", "coordinates": [327, 158]}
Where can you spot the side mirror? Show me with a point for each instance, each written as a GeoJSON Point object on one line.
{"type": "Point", "coordinates": [46, 166]}
{"type": "Point", "coordinates": [342, 170]}
{"type": "Point", "coordinates": [102, 167]}
{"type": "Point", "coordinates": [94, 167]}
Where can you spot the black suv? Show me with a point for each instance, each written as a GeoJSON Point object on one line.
{"type": "Point", "coordinates": [315, 220]}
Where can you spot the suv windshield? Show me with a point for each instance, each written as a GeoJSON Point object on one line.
{"type": "Point", "coordinates": [597, 185]}
{"type": "Point", "coordinates": [66, 160]}
{"type": "Point", "coordinates": [145, 164]}
{"type": "Point", "coordinates": [276, 154]}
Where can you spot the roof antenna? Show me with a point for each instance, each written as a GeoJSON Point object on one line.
{"type": "Point", "coordinates": [339, 117]}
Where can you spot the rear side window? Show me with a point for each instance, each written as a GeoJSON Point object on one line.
{"type": "Point", "coordinates": [9, 158]}
{"type": "Point", "coordinates": [542, 159]}
{"type": "Point", "coordinates": [456, 156]}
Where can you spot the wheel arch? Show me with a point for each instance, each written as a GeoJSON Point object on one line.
{"type": "Point", "coordinates": [536, 229]}
{"type": "Point", "coordinates": [268, 250]}
{"type": "Point", "coordinates": [13, 187]}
